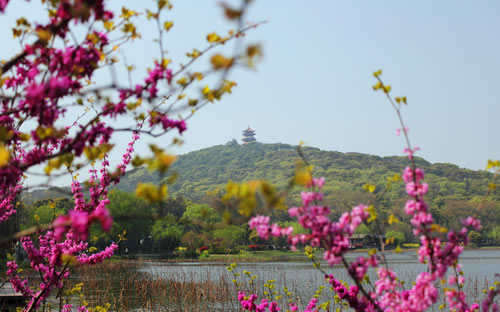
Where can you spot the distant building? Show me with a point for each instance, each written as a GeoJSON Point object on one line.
{"type": "Point", "coordinates": [248, 135]}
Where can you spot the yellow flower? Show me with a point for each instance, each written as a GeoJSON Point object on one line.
{"type": "Point", "coordinates": [197, 75]}
{"type": "Point", "coordinates": [150, 192]}
{"type": "Point", "coordinates": [182, 81]}
{"type": "Point", "coordinates": [377, 86]}
{"type": "Point", "coordinates": [228, 86]}
{"type": "Point", "coordinates": [108, 25]}
{"type": "Point", "coordinates": [493, 164]}
{"type": "Point", "coordinates": [369, 187]}
{"type": "Point", "coordinates": [167, 25]}
{"type": "Point", "coordinates": [373, 214]}
{"type": "Point", "coordinates": [4, 156]}
{"type": "Point", "coordinates": [219, 61]}
{"type": "Point", "coordinates": [126, 13]}
{"type": "Point", "coordinates": [392, 219]}
{"type": "Point", "coordinates": [44, 35]}
{"type": "Point", "coordinates": [194, 54]}
{"type": "Point", "coordinates": [209, 94]}
{"type": "Point", "coordinates": [213, 37]}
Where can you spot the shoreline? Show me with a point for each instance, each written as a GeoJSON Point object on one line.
{"type": "Point", "coordinates": [268, 256]}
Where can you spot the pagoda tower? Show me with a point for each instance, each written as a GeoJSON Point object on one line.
{"type": "Point", "coordinates": [248, 135]}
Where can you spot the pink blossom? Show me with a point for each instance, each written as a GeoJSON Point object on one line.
{"type": "Point", "coordinates": [472, 222]}
{"type": "Point", "coordinates": [3, 5]}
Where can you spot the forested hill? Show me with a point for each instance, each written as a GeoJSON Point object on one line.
{"type": "Point", "coordinates": [345, 173]}
{"type": "Point", "coordinates": [454, 193]}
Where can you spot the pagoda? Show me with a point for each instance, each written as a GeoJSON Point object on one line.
{"type": "Point", "coordinates": [248, 135]}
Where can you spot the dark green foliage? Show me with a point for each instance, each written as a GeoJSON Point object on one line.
{"type": "Point", "coordinates": [42, 211]}
{"type": "Point", "coordinates": [167, 234]}
{"type": "Point", "coordinates": [454, 192]}
{"type": "Point", "coordinates": [175, 206]}
{"type": "Point", "coordinates": [7, 229]}
{"type": "Point", "coordinates": [475, 238]}
{"type": "Point", "coordinates": [132, 215]}
{"type": "Point", "coordinates": [494, 236]}
{"type": "Point", "coordinates": [185, 219]}
{"type": "Point", "coordinates": [200, 213]}
{"type": "Point", "coordinates": [398, 237]}
{"type": "Point", "coordinates": [363, 229]}
{"type": "Point", "coordinates": [230, 236]}
{"type": "Point", "coordinates": [345, 173]}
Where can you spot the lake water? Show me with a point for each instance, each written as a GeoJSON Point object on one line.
{"type": "Point", "coordinates": [204, 286]}
{"type": "Point", "coordinates": [476, 263]}
{"type": "Point", "coordinates": [302, 279]}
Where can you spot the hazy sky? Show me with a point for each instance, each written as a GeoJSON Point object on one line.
{"type": "Point", "coordinates": [314, 83]}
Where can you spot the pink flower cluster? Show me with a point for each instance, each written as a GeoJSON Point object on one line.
{"type": "Point", "coordinates": [359, 267]}
{"type": "Point", "coordinates": [167, 123]}
{"type": "Point", "coordinates": [43, 75]}
{"type": "Point", "coordinates": [127, 156]}
{"type": "Point", "coordinates": [67, 242]}
{"type": "Point", "coordinates": [438, 256]}
{"type": "Point", "coordinates": [84, 214]}
{"type": "Point", "coordinates": [261, 225]}
{"type": "Point", "coordinates": [69, 308]}
{"type": "Point", "coordinates": [333, 236]}
{"type": "Point", "coordinates": [7, 199]}
{"type": "Point", "coordinates": [488, 304]}
{"type": "Point", "coordinates": [51, 259]}
{"type": "Point", "coordinates": [41, 78]}
{"type": "Point", "coordinates": [3, 5]}
{"type": "Point", "coordinates": [350, 295]}
{"type": "Point", "coordinates": [311, 306]}
{"type": "Point", "coordinates": [155, 76]}
{"type": "Point", "coordinates": [248, 303]}
{"type": "Point", "coordinates": [389, 294]}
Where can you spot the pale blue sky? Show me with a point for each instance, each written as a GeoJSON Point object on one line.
{"type": "Point", "coordinates": [314, 83]}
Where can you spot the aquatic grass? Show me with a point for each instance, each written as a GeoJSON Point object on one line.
{"type": "Point", "coordinates": [126, 287]}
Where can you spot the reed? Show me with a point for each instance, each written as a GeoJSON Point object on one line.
{"type": "Point", "coordinates": [125, 288]}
